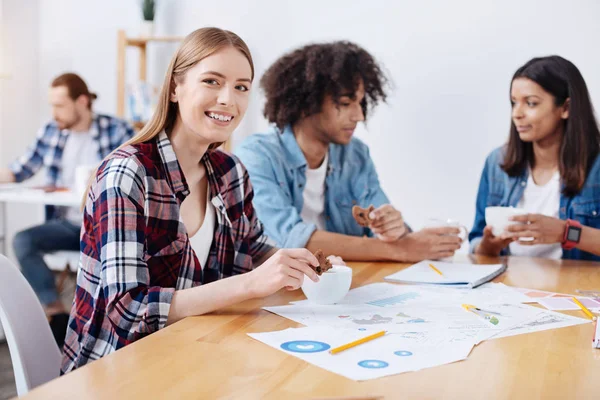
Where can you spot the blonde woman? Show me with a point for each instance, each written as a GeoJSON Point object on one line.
{"type": "Point", "coordinates": [168, 215]}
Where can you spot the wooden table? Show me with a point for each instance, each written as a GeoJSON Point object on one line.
{"type": "Point", "coordinates": [211, 356]}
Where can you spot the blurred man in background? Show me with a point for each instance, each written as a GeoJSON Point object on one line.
{"type": "Point", "coordinates": [75, 137]}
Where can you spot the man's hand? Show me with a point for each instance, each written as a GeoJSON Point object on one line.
{"type": "Point", "coordinates": [387, 223]}
{"type": "Point", "coordinates": [430, 243]}
{"type": "Point", "coordinates": [6, 176]}
{"type": "Point", "coordinates": [491, 245]}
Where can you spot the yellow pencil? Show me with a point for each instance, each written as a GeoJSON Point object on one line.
{"type": "Point", "coordinates": [436, 270]}
{"type": "Point", "coordinates": [356, 342]}
{"type": "Point", "coordinates": [584, 309]}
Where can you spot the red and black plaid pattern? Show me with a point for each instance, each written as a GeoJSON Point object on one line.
{"type": "Point", "coordinates": [135, 251]}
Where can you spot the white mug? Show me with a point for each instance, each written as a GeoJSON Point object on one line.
{"type": "Point", "coordinates": [499, 218]}
{"type": "Point", "coordinates": [332, 287]}
{"type": "Point", "coordinates": [447, 222]}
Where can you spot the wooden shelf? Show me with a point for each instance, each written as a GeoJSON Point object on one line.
{"type": "Point", "coordinates": [122, 43]}
{"type": "Point", "coordinates": [142, 41]}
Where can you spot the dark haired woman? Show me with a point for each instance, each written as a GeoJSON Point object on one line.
{"type": "Point", "coordinates": [550, 168]}
{"type": "Point", "coordinates": [310, 170]}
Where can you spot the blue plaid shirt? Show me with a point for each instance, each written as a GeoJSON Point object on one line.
{"type": "Point", "coordinates": [110, 132]}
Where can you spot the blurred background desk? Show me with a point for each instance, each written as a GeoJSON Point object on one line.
{"type": "Point", "coordinates": [15, 193]}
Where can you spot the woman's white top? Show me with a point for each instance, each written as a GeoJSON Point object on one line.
{"type": "Point", "coordinates": [202, 240]}
{"type": "Point", "coordinates": [544, 200]}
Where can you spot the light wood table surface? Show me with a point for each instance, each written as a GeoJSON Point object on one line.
{"type": "Point", "coordinates": [210, 357]}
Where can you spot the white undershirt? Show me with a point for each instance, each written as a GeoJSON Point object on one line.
{"type": "Point", "coordinates": [540, 200]}
{"type": "Point", "coordinates": [80, 150]}
{"type": "Point", "coordinates": [202, 240]}
{"type": "Point", "coordinates": [314, 195]}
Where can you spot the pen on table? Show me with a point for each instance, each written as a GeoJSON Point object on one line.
{"type": "Point", "coordinates": [483, 314]}
{"type": "Point", "coordinates": [584, 309]}
{"type": "Point", "coordinates": [356, 342]}
{"type": "Point", "coordinates": [468, 307]}
{"type": "Point", "coordinates": [435, 269]}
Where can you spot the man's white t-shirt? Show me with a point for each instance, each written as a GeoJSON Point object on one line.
{"type": "Point", "coordinates": [314, 195]}
{"type": "Point", "coordinates": [543, 200]}
{"type": "Point", "coordinates": [80, 149]}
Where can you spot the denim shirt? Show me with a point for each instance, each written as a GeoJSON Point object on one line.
{"type": "Point", "coordinates": [496, 188]}
{"type": "Point", "coordinates": [277, 169]}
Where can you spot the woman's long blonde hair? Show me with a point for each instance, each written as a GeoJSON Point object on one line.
{"type": "Point", "coordinates": [194, 48]}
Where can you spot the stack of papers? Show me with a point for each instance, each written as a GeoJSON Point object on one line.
{"type": "Point", "coordinates": [387, 355]}
{"type": "Point", "coordinates": [425, 326]}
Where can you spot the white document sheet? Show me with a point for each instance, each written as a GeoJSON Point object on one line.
{"type": "Point", "coordinates": [388, 295]}
{"type": "Point", "coordinates": [387, 355]}
{"type": "Point", "coordinates": [385, 294]}
{"type": "Point", "coordinates": [543, 321]}
{"type": "Point", "coordinates": [438, 318]}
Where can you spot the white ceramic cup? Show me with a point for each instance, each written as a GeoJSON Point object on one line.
{"type": "Point", "coordinates": [499, 218]}
{"type": "Point", "coordinates": [332, 287]}
{"type": "Point", "coordinates": [82, 178]}
{"type": "Point", "coordinates": [447, 222]}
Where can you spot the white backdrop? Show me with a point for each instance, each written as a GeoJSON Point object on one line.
{"type": "Point", "coordinates": [450, 63]}
{"type": "Point", "coordinates": [20, 100]}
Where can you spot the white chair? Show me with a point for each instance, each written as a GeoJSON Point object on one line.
{"type": "Point", "coordinates": [33, 350]}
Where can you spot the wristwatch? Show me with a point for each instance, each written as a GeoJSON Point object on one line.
{"type": "Point", "coordinates": [572, 234]}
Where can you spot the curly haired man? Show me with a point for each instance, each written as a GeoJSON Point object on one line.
{"type": "Point", "coordinates": [309, 171]}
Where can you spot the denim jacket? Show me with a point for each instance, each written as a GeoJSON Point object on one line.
{"type": "Point", "coordinates": [496, 188]}
{"type": "Point", "coordinates": [277, 169]}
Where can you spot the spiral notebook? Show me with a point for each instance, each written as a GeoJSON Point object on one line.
{"type": "Point", "coordinates": [447, 274]}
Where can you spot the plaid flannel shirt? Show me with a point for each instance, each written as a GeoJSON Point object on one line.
{"type": "Point", "coordinates": [135, 251]}
{"type": "Point", "coordinates": [110, 132]}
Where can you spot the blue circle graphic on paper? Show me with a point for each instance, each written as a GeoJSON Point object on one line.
{"type": "Point", "coordinates": [403, 353]}
{"type": "Point", "coordinates": [305, 346]}
{"type": "Point", "coordinates": [373, 364]}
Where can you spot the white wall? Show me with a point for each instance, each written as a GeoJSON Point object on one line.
{"type": "Point", "coordinates": [20, 116]}
{"type": "Point", "coordinates": [451, 63]}
{"type": "Point", "coordinates": [3, 76]}
{"type": "Point", "coordinates": [19, 103]}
